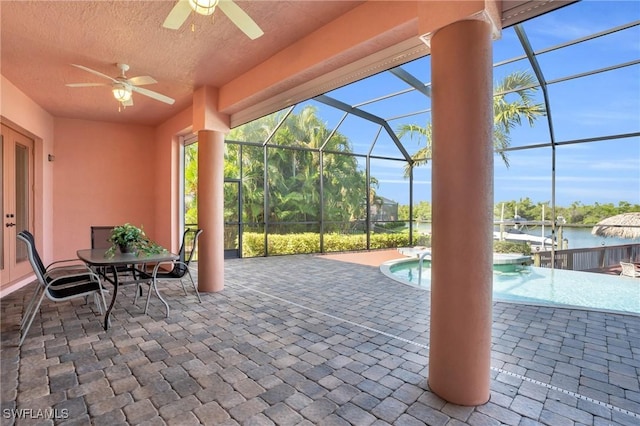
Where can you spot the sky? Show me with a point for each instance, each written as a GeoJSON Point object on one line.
{"type": "Point", "coordinates": [595, 106]}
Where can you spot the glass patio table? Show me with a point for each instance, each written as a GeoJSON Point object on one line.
{"type": "Point", "coordinates": [98, 258]}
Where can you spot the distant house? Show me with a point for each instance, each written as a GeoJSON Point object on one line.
{"type": "Point", "coordinates": [384, 210]}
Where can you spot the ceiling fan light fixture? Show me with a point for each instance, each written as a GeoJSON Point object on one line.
{"type": "Point", "coordinates": [204, 7]}
{"type": "Point", "coordinates": [121, 92]}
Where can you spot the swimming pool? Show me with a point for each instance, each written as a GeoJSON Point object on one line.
{"type": "Point", "coordinates": [542, 286]}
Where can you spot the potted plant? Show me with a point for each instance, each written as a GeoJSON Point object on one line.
{"type": "Point", "coordinates": [131, 239]}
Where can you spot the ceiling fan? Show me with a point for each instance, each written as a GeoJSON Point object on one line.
{"type": "Point", "coordinates": [183, 8]}
{"type": "Point", "coordinates": [122, 87]}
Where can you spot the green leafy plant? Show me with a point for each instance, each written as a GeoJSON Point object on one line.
{"type": "Point", "coordinates": [130, 238]}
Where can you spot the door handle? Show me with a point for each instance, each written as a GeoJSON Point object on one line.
{"type": "Point", "coordinates": [9, 225]}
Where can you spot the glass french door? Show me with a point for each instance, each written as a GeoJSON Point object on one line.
{"type": "Point", "coordinates": [232, 202]}
{"type": "Point", "coordinates": [17, 202]}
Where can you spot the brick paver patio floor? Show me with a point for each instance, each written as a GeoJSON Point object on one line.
{"type": "Point", "coordinates": [306, 340]}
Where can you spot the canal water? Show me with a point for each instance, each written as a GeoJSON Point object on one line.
{"type": "Point", "coordinates": [576, 237]}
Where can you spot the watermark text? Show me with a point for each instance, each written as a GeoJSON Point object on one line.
{"type": "Point", "coordinates": [30, 413]}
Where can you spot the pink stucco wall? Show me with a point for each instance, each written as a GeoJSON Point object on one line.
{"type": "Point", "coordinates": [20, 112]}
{"type": "Point", "coordinates": [103, 174]}
{"type": "Point", "coordinates": [167, 195]}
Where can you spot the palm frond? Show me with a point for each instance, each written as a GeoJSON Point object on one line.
{"type": "Point", "coordinates": [508, 114]}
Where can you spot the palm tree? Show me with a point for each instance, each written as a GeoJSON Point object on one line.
{"type": "Point", "coordinates": [293, 171]}
{"type": "Point", "coordinates": [507, 115]}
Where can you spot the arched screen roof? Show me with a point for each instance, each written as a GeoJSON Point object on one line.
{"type": "Point", "coordinates": [583, 62]}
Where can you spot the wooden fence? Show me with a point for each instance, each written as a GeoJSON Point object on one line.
{"type": "Point", "coordinates": [591, 258]}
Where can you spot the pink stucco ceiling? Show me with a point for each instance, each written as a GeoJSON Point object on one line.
{"type": "Point", "coordinates": [40, 39]}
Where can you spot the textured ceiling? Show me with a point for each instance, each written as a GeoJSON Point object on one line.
{"type": "Point", "coordinates": [40, 39]}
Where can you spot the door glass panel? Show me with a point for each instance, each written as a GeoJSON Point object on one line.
{"type": "Point", "coordinates": [230, 238]}
{"type": "Point", "coordinates": [22, 197]}
{"type": "Point", "coordinates": [191, 185]}
{"type": "Point", "coordinates": [231, 196]}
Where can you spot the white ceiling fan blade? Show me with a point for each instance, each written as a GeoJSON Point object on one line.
{"type": "Point", "coordinates": [85, 84]}
{"type": "Point", "coordinates": [178, 15]}
{"type": "Point", "coordinates": [128, 103]}
{"type": "Point", "coordinates": [98, 73]}
{"type": "Point", "coordinates": [241, 19]}
{"type": "Point", "coordinates": [142, 80]}
{"type": "Point", "coordinates": [155, 95]}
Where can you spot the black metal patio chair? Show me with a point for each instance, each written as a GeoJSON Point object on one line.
{"type": "Point", "coordinates": [58, 283]}
{"type": "Point", "coordinates": [180, 268]}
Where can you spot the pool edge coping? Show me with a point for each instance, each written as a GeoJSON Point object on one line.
{"type": "Point", "coordinates": [385, 269]}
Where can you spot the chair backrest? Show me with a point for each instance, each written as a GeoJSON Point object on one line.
{"type": "Point", "coordinates": [186, 256]}
{"type": "Point", "coordinates": [34, 257]}
{"type": "Point", "coordinates": [628, 269]}
{"type": "Point", "coordinates": [100, 237]}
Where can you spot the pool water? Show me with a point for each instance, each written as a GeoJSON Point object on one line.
{"type": "Point", "coordinates": [544, 286]}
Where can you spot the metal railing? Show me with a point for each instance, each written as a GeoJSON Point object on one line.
{"type": "Point", "coordinates": [590, 258]}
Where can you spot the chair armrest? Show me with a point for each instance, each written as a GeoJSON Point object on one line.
{"type": "Point", "coordinates": [68, 264]}
{"type": "Point", "coordinates": [73, 279]}
{"type": "Point", "coordinates": [77, 261]}
{"type": "Point", "coordinates": [58, 273]}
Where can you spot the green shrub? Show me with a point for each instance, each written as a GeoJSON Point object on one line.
{"type": "Point", "coordinates": [423, 240]}
{"type": "Point", "coordinates": [380, 241]}
{"type": "Point", "coordinates": [309, 242]}
{"type": "Point", "coordinates": [511, 247]}
{"type": "Point", "coordinates": [252, 244]}
{"type": "Point", "coordinates": [306, 242]}
{"type": "Point", "coordinates": [342, 242]}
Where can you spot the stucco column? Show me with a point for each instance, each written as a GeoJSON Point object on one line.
{"type": "Point", "coordinates": [211, 127]}
{"type": "Point", "coordinates": [461, 280]}
{"type": "Point", "coordinates": [211, 210]}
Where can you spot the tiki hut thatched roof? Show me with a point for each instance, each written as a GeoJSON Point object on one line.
{"type": "Point", "coordinates": [626, 225]}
